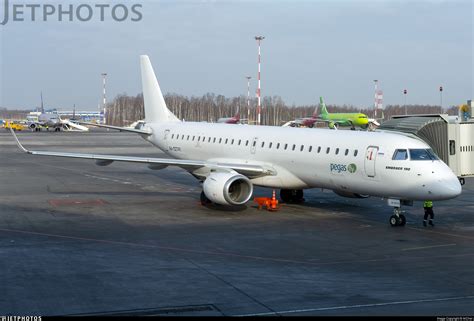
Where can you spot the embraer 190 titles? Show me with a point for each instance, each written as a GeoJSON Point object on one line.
{"type": "Point", "coordinates": [231, 160]}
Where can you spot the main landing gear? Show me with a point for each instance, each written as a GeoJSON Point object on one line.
{"type": "Point", "coordinates": [292, 196]}
{"type": "Point", "coordinates": [204, 200]}
{"type": "Point", "coordinates": [397, 219]}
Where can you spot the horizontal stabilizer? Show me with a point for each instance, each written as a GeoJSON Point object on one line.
{"type": "Point", "coordinates": [122, 129]}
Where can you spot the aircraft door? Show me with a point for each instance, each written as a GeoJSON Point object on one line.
{"type": "Point", "coordinates": [167, 132]}
{"type": "Point", "coordinates": [370, 158]}
{"type": "Point", "coordinates": [253, 145]}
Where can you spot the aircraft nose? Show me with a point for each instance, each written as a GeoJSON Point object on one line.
{"type": "Point", "coordinates": [447, 188]}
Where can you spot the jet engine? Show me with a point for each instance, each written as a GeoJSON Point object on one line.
{"type": "Point", "coordinates": [228, 188]}
{"type": "Point", "coordinates": [32, 126]}
{"type": "Point", "coordinates": [350, 195]}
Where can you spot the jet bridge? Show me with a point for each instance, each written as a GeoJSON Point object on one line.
{"type": "Point", "coordinates": [451, 139]}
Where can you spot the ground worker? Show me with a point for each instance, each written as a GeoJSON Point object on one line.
{"type": "Point", "coordinates": [428, 206]}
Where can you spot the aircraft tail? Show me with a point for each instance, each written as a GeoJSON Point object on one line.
{"type": "Point", "coordinates": [324, 111]}
{"type": "Point", "coordinates": [155, 105]}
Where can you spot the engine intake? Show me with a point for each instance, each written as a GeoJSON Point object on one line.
{"type": "Point", "coordinates": [228, 188]}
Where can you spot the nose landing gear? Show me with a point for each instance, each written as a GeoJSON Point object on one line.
{"type": "Point", "coordinates": [397, 219]}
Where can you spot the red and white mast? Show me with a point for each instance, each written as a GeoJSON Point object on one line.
{"type": "Point", "coordinates": [248, 98]}
{"type": "Point", "coordinates": [259, 106]}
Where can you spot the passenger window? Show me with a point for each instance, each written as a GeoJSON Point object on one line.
{"type": "Point", "coordinates": [347, 152]}
{"type": "Point", "coordinates": [226, 140]}
{"type": "Point", "coordinates": [337, 151]}
{"type": "Point", "coordinates": [220, 140]}
{"type": "Point", "coordinates": [194, 138]}
{"type": "Point", "coordinates": [310, 149]}
{"type": "Point", "coordinates": [182, 137]}
{"type": "Point", "coordinates": [247, 143]}
{"type": "Point", "coordinates": [263, 144]}
{"type": "Point", "coordinates": [294, 146]}
{"type": "Point", "coordinates": [400, 154]}
{"type": "Point", "coordinates": [286, 146]}
{"type": "Point", "coordinates": [188, 137]}
{"type": "Point", "coordinates": [278, 145]}
{"type": "Point", "coordinates": [270, 145]}
{"type": "Point", "coordinates": [356, 152]}
{"type": "Point", "coordinates": [214, 140]}
{"type": "Point", "coordinates": [232, 142]}
{"type": "Point", "coordinates": [240, 140]}
{"type": "Point", "coordinates": [209, 140]}
{"type": "Point", "coordinates": [319, 149]}
{"type": "Point", "coordinates": [328, 150]}
{"type": "Point", "coordinates": [172, 136]}
{"type": "Point", "coordinates": [301, 148]}
{"type": "Point", "coordinates": [254, 143]}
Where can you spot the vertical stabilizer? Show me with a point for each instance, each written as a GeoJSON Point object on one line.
{"type": "Point", "coordinates": [155, 106]}
{"type": "Point", "coordinates": [42, 106]}
{"type": "Point", "coordinates": [324, 111]}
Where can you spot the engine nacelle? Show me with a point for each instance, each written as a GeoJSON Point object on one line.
{"type": "Point", "coordinates": [32, 126]}
{"type": "Point", "coordinates": [228, 188]}
{"type": "Point", "coordinates": [350, 195]}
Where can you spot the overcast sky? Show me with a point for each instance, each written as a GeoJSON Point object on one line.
{"type": "Point", "coordinates": [315, 48]}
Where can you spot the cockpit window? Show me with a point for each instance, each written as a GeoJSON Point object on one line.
{"type": "Point", "coordinates": [400, 154]}
{"type": "Point", "coordinates": [422, 154]}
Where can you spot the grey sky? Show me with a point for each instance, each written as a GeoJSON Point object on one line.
{"type": "Point", "coordinates": [330, 48]}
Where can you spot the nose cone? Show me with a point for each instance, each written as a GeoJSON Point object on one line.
{"type": "Point", "coordinates": [446, 188]}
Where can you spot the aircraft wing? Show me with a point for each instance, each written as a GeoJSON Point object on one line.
{"type": "Point", "coordinates": [122, 129]}
{"type": "Point", "coordinates": [248, 170]}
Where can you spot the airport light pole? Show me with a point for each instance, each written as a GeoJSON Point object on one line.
{"type": "Point", "coordinates": [441, 97]}
{"type": "Point", "coordinates": [259, 108]}
{"type": "Point", "coordinates": [248, 98]}
{"type": "Point", "coordinates": [104, 101]}
{"type": "Point", "coordinates": [405, 95]}
{"type": "Point", "coordinates": [375, 98]}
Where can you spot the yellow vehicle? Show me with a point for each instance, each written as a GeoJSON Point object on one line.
{"type": "Point", "coordinates": [15, 126]}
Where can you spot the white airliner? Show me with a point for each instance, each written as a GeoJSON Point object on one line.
{"type": "Point", "coordinates": [230, 160]}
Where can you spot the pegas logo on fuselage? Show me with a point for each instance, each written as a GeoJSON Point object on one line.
{"type": "Point", "coordinates": [339, 168]}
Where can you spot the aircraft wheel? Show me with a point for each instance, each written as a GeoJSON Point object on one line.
{"type": "Point", "coordinates": [394, 220]}
{"type": "Point", "coordinates": [403, 220]}
{"type": "Point", "coordinates": [285, 195]}
{"type": "Point", "coordinates": [294, 196]}
{"type": "Point", "coordinates": [204, 200]}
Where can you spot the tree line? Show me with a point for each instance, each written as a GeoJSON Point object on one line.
{"type": "Point", "coordinates": [124, 110]}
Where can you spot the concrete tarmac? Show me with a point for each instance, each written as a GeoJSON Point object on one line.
{"type": "Point", "coordinates": [79, 239]}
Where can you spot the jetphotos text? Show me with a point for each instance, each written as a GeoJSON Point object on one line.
{"type": "Point", "coordinates": [81, 12]}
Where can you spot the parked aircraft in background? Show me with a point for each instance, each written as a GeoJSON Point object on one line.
{"type": "Point", "coordinates": [230, 160]}
{"type": "Point", "coordinates": [44, 120]}
{"type": "Point", "coordinates": [232, 120]}
{"type": "Point", "coordinates": [333, 120]}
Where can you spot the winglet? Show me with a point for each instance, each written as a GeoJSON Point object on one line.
{"type": "Point", "coordinates": [17, 141]}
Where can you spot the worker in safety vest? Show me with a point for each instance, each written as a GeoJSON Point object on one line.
{"type": "Point", "coordinates": [428, 206]}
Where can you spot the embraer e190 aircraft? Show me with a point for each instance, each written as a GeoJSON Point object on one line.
{"type": "Point", "coordinates": [230, 160]}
